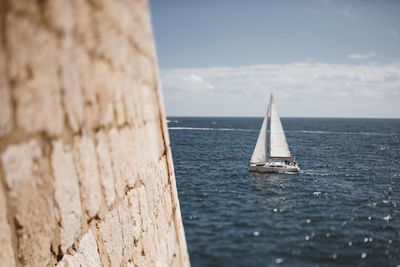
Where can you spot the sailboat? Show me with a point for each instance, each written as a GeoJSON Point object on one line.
{"type": "Point", "coordinates": [271, 148]}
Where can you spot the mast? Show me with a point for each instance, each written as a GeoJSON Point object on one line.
{"type": "Point", "coordinates": [269, 115]}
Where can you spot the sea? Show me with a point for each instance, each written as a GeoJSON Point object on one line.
{"type": "Point", "coordinates": [342, 209]}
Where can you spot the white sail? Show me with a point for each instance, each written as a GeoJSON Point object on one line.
{"type": "Point", "coordinates": [278, 145]}
{"type": "Point", "coordinates": [260, 151]}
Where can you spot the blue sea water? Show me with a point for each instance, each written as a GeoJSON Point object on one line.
{"type": "Point", "coordinates": [342, 209]}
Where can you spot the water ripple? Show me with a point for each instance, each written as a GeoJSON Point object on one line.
{"type": "Point", "coordinates": [341, 209]}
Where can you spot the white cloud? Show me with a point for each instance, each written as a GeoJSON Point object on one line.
{"type": "Point", "coordinates": [362, 56]}
{"type": "Point", "coordinates": [307, 87]}
{"type": "Point", "coordinates": [348, 14]}
{"type": "Point", "coordinates": [294, 79]}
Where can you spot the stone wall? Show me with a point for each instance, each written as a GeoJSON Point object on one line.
{"type": "Point", "coordinates": [86, 174]}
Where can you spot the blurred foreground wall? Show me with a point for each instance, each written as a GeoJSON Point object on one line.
{"type": "Point", "coordinates": [86, 175]}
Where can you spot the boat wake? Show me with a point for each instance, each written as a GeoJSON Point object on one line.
{"type": "Point", "coordinates": [210, 129]}
{"type": "Point", "coordinates": [300, 131]}
{"type": "Point", "coordinates": [346, 133]}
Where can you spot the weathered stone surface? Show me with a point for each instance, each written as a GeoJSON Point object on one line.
{"type": "Point", "coordinates": [6, 251]}
{"type": "Point", "coordinates": [29, 182]}
{"type": "Point", "coordinates": [88, 248]}
{"type": "Point", "coordinates": [118, 161]}
{"type": "Point", "coordinates": [119, 109]}
{"type": "Point", "coordinates": [31, 8]}
{"type": "Point", "coordinates": [36, 109]}
{"type": "Point", "coordinates": [84, 33]}
{"type": "Point", "coordinates": [76, 260]}
{"type": "Point", "coordinates": [112, 46]}
{"type": "Point", "coordinates": [128, 230]}
{"type": "Point", "coordinates": [5, 107]}
{"type": "Point", "coordinates": [60, 16]}
{"type": "Point", "coordinates": [5, 98]}
{"type": "Point", "coordinates": [82, 124]}
{"type": "Point", "coordinates": [133, 204]}
{"type": "Point", "coordinates": [130, 157]}
{"type": "Point", "coordinates": [87, 255]}
{"type": "Point", "coordinates": [129, 98]}
{"type": "Point", "coordinates": [105, 167]}
{"type": "Point", "coordinates": [71, 87]}
{"type": "Point", "coordinates": [101, 90]}
{"type": "Point", "coordinates": [110, 230]}
{"type": "Point", "coordinates": [88, 174]}
{"type": "Point", "coordinates": [147, 225]}
{"type": "Point", "coordinates": [143, 38]}
{"type": "Point", "coordinates": [66, 194]}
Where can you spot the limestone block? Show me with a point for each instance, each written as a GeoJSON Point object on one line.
{"type": "Point", "coordinates": [161, 236]}
{"type": "Point", "coordinates": [88, 248]}
{"type": "Point", "coordinates": [150, 97]}
{"type": "Point", "coordinates": [6, 250]}
{"type": "Point", "coordinates": [119, 109]}
{"type": "Point", "coordinates": [72, 88]}
{"type": "Point", "coordinates": [87, 255]}
{"type": "Point", "coordinates": [66, 194]}
{"type": "Point", "coordinates": [110, 231]}
{"type": "Point", "coordinates": [134, 210]}
{"type": "Point", "coordinates": [130, 155]}
{"type": "Point", "coordinates": [37, 88]}
{"type": "Point", "coordinates": [138, 28]}
{"type": "Point", "coordinates": [88, 174]}
{"type": "Point", "coordinates": [102, 90]}
{"type": "Point", "coordinates": [5, 99]}
{"type": "Point", "coordinates": [140, 255]}
{"type": "Point", "coordinates": [142, 150]}
{"type": "Point", "coordinates": [169, 249]}
{"type": "Point", "coordinates": [29, 184]}
{"type": "Point", "coordinates": [60, 16]}
{"type": "Point", "coordinates": [76, 260]}
{"type": "Point", "coordinates": [123, 156]}
{"type": "Point", "coordinates": [153, 192]}
{"type": "Point", "coordinates": [5, 107]}
{"type": "Point", "coordinates": [85, 67]}
{"type": "Point", "coordinates": [145, 70]}
{"type": "Point", "coordinates": [167, 206]}
{"type": "Point", "coordinates": [130, 98]}
{"type": "Point", "coordinates": [134, 94]}
{"type": "Point", "coordinates": [30, 8]}
{"type": "Point", "coordinates": [112, 45]}
{"type": "Point", "coordinates": [116, 159]}
{"type": "Point", "coordinates": [128, 230]}
{"type": "Point", "coordinates": [148, 231]}
{"type": "Point", "coordinates": [85, 35]}
{"type": "Point", "coordinates": [97, 90]}
{"type": "Point", "coordinates": [105, 167]}
{"type": "Point", "coordinates": [143, 208]}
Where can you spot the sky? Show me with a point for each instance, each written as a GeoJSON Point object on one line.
{"type": "Point", "coordinates": [320, 58]}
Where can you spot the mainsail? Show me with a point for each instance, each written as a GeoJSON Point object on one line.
{"type": "Point", "coordinates": [278, 145]}
{"type": "Point", "coordinates": [260, 151]}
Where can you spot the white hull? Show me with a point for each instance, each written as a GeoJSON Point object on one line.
{"type": "Point", "coordinates": [274, 167]}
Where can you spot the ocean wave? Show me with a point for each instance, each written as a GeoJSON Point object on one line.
{"type": "Point", "coordinates": [210, 129]}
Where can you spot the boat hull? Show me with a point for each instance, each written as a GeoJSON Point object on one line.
{"type": "Point", "coordinates": [276, 167]}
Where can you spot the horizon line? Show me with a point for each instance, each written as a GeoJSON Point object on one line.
{"type": "Point", "coordinates": [291, 117]}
